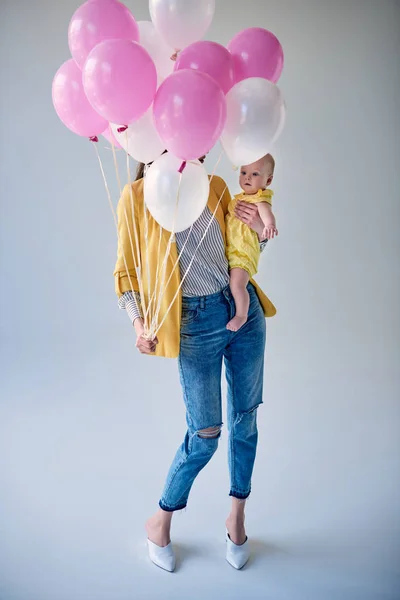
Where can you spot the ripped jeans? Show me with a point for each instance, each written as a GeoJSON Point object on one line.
{"type": "Point", "coordinates": [205, 342]}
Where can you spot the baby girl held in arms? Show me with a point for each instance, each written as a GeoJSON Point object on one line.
{"type": "Point", "coordinates": [243, 247]}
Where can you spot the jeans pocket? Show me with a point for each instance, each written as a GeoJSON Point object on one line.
{"type": "Point", "coordinates": [189, 316]}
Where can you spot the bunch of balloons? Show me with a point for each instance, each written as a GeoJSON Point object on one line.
{"type": "Point", "coordinates": [152, 85]}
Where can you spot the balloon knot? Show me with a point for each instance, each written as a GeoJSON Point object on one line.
{"type": "Point", "coordinates": [122, 129]}
{"type": "Point", "coordinates": [175, 55]}
{"type": "Point", "coordinates": [94, 138]}
{"type": "Point", "coordinates": [182, 167]}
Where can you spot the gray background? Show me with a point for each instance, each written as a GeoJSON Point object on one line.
{"type": "Point", "coordinates": [88, 427]}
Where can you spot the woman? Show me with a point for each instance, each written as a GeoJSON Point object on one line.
{"type": "Point", "coordinates": [194, 330]}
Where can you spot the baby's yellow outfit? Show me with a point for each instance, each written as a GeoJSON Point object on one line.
{"type": "Point", "coordinates": [243, 247]}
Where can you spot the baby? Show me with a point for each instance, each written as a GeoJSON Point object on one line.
{"type": "Point", "coordinates": [243, 247]}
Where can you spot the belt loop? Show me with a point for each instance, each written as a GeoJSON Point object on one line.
{"type": "Point", "coordinates": [202, 302]}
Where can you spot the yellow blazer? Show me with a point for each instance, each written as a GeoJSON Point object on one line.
{"type": "Point", "coordinates": [169, 334]}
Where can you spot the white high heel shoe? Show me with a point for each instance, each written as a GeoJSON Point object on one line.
{"type": "Point", "coordinates": [163, 557]}
{"type": "Point", "coordinates": [237, 556]}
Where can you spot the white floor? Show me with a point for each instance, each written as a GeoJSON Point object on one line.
{"type": "Point", "coordinates": [77, 446]}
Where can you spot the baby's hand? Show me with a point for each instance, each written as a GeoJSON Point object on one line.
{"type": "Point", "coordinates": [269, 232]}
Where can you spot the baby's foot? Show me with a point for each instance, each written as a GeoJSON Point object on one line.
{"type": "Point", "coordinates": [236, 323]}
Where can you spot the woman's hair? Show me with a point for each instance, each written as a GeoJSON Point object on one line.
{"type": "Point", "coordinates": [141, 166]}
{"type": "Point", "coordinates": [140, 171]}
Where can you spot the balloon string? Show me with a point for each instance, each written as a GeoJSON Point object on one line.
{"type": "Point", "coordinates": [115, 160]}
{"type": "Point", "coordinates": [146, 242]}
{"type": "Point", "coordinates": [136, 236]}
{"type": "Point", "coordinates": [190, 263]}
{"type": "Point", "coordinates": [114, 216]}
{"type": "Point", "coordinates": [166, 257]}
{"type": "Point", "coordinates": [195, 163]}
{"type": "Point", "coordinates": [153, 295]}
{"type": "Point", "coordinates": [165, 261]}
{"type": "Point", "coordinates": [135, 262]}
{"type": "Point", "coordinates": [152, 330]}
{"type": "Point", "coordinates": [191, 229]}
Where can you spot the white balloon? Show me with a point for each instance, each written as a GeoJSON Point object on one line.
{"type": "Point", "coordinates": [181, 22]}
{"type": "Point", "coordinates": [161, 186]}
{"type": "Point", "coordinates": [158, 49]}
{"type": "Point", "coordinates": [141, 140]}
{"type": "Point", "coordinates": [256, 114]}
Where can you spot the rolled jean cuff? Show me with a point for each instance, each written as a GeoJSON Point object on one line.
{"type": "Point", "coordinates": [239, 495]}
{"type": "Point", "coordinates": [169, 508]}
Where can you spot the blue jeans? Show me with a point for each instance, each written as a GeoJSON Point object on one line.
{"type": "Point", "coordinates": [205, 342]}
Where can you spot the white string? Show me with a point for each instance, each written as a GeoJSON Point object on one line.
{"type": "Point", "coordinates": [135, 262]}
{"type": "Point", "coordinates": [114, 215]}
{"type": "Point", "coordinates": [191, 262]}
{"type": "Point", "coordinates": [139, 267]}
{"type": "Point", "coordinates": [186, 241]}
{"type": "Point", "coordinates": [153, 295]}
{"type": "Point", "coordinates": [165, 261]}
{"type": "Point", "coordinates": [153, 328]}
{"type": "Point", "coordinates": [191, 227]}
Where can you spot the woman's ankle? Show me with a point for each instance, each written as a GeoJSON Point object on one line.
{"type": "Point", "coordinates": [235, 520]}
{"type": "Point", "coordinates": [236, 529]}
{"type": "Point", "coordinates": [158, 528]}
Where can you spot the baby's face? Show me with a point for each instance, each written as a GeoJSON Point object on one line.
{"type": "Point", "coordinates": [255, 177]}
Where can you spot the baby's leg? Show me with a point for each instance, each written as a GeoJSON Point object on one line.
{"type": "Point", "coordinates": [238, 283]}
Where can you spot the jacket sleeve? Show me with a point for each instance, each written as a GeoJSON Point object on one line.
{"type": "Point", "coordinates": [125, 271]}
{"type": "Point", "coordinates": [130, 301]}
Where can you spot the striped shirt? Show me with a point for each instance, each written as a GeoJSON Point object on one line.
{"type": "Point", "coordinates": [209, 269]}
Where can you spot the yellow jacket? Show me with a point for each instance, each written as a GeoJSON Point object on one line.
{"type": "Point", "coordinates": [169, 334]}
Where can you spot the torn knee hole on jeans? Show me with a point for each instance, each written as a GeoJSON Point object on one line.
{"type": "Point", "coordinates": [209, 432]}
{"type": "Point", "coordinates": [246, 413]}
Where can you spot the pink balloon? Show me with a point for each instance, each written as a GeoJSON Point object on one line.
{"type": "Point", "coordinates": [107, 133]}
{"type": "Point", "coordinates": [120, 80]}
{"type": "Point", "coordinates": [189, 112]}
{"type": "Point", "coordinates": [71, 103]}
{"type": "Point", "coordinates": [257, 53]}
{"type": "Point", "coordinates": [94, 22]}
{"type": "Point", "coordinates": [210, 58]}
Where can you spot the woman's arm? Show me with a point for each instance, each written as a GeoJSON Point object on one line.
{"type": "Point", "coordinates": [125, 271]}
{"type": "Point", "coordinates": [130, 301]}
{"type": "Point", "coordinates": [126, 282]}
